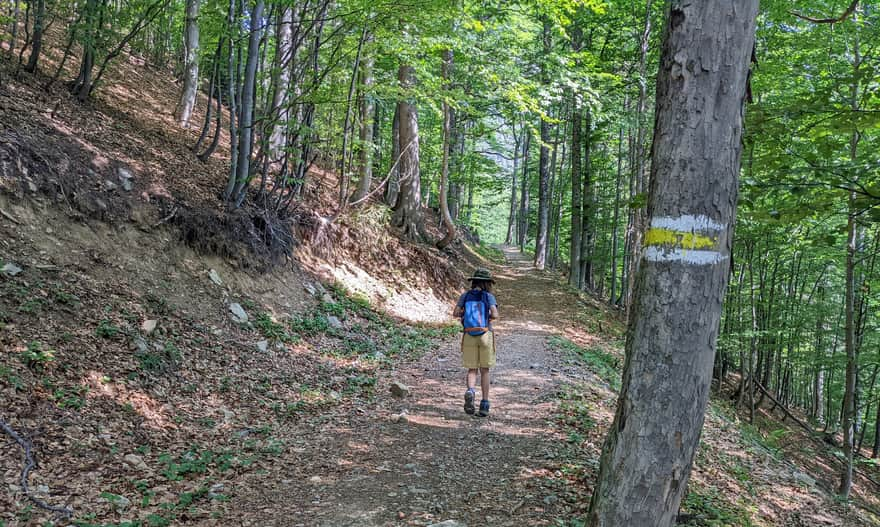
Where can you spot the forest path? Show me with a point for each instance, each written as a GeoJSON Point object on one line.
{"type": "Point", "coordinates": [367, 468]}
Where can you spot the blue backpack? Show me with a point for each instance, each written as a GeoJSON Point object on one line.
{"type": "Point", "coordinates": [476, 312]}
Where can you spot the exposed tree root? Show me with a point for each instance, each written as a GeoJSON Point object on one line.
{"type": "Point", "coordinates": [29, 464]}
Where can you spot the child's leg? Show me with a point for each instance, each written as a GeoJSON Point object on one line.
{"type": "Point", "coordinates": [471, 378]}
{"type": "Point", "coordinates": [484, 382]}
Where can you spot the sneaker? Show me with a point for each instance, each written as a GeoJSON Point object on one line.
{"type": "Point", "coordinates": [469, 402]}
{"type": "Point", "coordinates": [484, 408]}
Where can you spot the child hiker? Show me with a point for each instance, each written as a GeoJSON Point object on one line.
{"type": "Point", "coordinates": [476, 308]}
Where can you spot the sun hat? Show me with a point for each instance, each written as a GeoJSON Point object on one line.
{"type": "Point", "coordinates": [481, 273]}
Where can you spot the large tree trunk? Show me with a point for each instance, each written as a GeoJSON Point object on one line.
{"type": "Point", "coordinates": [407, 210]}
{"type": "Point", "coordinates": [543, 165]}
{"type": "Point", "coordinates": [187, 102]}
{"type": "Point", "coordinates": [37, 41]}
{"type": "Point", "coordinates": [444, 171]}
{"type": "Point", "coordinates": [670, 349]}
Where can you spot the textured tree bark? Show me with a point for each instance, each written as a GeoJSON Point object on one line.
{"type": "Point", "coordinates": [701, 85]}
{"type": "Point", "coordinates": [407, 212]}
{"type": "Point", "coordinates": [191, 65]}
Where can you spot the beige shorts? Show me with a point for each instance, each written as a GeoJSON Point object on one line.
{"type": "Point", "coordinates": [479, 351]}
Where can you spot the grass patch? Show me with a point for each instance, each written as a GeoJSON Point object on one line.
{"type": "Point", "coordinates": [600, 362]}
{"type": "Point", "coordinates": [490, 253]}
{"type": "Point", "coordinates": [709, 508]}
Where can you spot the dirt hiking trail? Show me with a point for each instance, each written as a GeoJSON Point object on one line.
{"type": "Point", "coordinates": [421, 460]}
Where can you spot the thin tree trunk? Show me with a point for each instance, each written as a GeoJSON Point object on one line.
{"type": "Point", "coordinates": [444, 171]}
{"type": "Point", "coordinates": [849, 402]}
{"type": "Point", "coordinates": [511, 238]}
{"type": "Point", "coordinates": [640, 181]}
{"type": "Point", "coordinates": [365, 168]}
{"type": "Point", "coordinates": [392, 190]}
{"type": "Point", "coordinates": [246, 112]}
{"type": "Point", "coordinates": [586, 274]}
{"type": "Point", "coordinates": [616, 218]}
{"type": "Point", "coordinates": [187, 102]}
{"type": "Point", "coordinates": [524, 195]}
{"type": "Point", "coordinates": [574, 277]}
{"type": "Point", "coordinates": [544, 164]}
{"type": "Point", "coordinates": [670, 350]}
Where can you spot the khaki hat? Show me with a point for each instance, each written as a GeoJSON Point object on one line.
{"type": "Point", "coordinates": [481, 273]}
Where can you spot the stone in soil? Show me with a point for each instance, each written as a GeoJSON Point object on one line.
{"type": "Point", "coordinates": [238, 313]}
{"type": "Point", "coordinates": [398, 389]}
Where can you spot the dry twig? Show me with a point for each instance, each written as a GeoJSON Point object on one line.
{"type": "Point", "coordinates": [29, 464]}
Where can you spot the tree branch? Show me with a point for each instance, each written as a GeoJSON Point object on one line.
{"type": "Point", "coordinates": [846, 14]}
{"type": "Point", "coordinates": [29, 464]}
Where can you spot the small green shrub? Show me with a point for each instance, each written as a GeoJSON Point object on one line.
{"type": "Point", "coordinates": [310, 324]}
{"type": "Point", "coordinates": [106, 329]}
{"type": "Point", "coordinates": [36, 357]}
{"type": "Point", "coordinates": [273, 330]}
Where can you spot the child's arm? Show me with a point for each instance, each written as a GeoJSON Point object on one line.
{"type": "Point", "coordinates": [493, 312]}
{"type": "Point", "coordinates": [458, 312]}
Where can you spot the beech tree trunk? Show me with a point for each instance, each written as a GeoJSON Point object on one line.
{"type": "Point", "coordinates": [574, 276]}
{"type": "Point", "coordinates": [849, 397]}
{"type": "Point", "coordinates": [524, 206]}
{"type": "Point", "coordinates": [284, 65]}
{"type": "Point", "coordinates": [448, 224]}
{"type": "Point", "coordinates": [670, 349]}
{"type": "Point", "coordinates": [543, 167]}
{"type": "Point", "coordinates": [187, 101]}
{"type": "Point", "coordinates": [511, 218]}
{"type": "Point", "coordinates": [393, 188]}
{"type": "Point", "coordinates": [365, 162]}
{"type": "Point", "coordinates": [407, 210]}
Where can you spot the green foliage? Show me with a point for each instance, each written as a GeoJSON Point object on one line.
{"type": "Point", "coordinates": [70, 397]}
{"type": "Point", "coordinates": [273, 330]}
{"type": "Point", "coordinates": [107, 330]}
{"type": "Point", "coordinates": [712, 509]}
{"type": "Point", "coordinates": [36, 357]}
{"type": "Point", "coordinates": [490, 253]}
{"type": "Point", "coordinates": [310, 324]}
